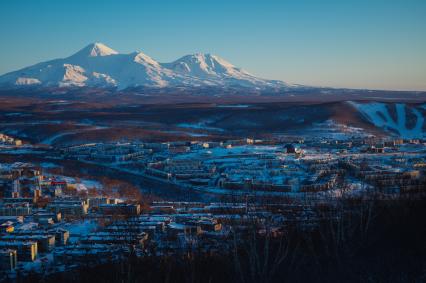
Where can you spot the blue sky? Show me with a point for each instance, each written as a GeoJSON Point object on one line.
{"type": "Point", "coordinates": [378, 44]}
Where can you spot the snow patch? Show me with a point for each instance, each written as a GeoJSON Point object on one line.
{"type": "Point", "coordinates": [27, 81]}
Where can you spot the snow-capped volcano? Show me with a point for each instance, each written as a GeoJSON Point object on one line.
{"type": "Point", "coordinates": [215, 70]}
{"type": "Point", "coordinates": [204, 66]}
{"type": "Point", "coordinates": [102, 66]}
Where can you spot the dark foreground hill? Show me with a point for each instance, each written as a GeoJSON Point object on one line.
{"type": "Point", "coordinates": [378, 241]}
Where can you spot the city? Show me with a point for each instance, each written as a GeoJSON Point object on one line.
{"type": "Point", "coordinates": [54, 223]}
{"type": "Point", "coordinates": [212, 141]}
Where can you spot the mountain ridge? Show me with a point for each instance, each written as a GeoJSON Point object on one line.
{"type": "Point", "coordinates": [101, 66]}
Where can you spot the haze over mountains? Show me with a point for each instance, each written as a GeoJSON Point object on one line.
{"type": "Point", "coordinates": [98, 65]}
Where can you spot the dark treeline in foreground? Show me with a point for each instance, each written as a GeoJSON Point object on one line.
{"type": "Point", "coordinates": [367, 241]}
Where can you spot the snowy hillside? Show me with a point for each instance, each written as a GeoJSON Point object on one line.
{"type": "Point", "coordinates": [100, 65]}
{"type": "Point", "coordinates": [215, 70]}
{"type": "Point", "coordinates": [401, 119]}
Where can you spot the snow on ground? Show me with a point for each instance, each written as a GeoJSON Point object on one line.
{"type": "Point", "coordinates": [48, 165]}
{"type": "Point", "coordinates": [81, 184]}
{"type": "Point", "coordinates": [356, 188]}
{"type": "Point", "coordinates": [28, 226]}
{"type": "Point", "coordinates": [17, 114]}
{"type": "Point", "coordinates": [50, 140]}
{"type": "Point", "coordinates": [200, 126]}
{"type": "Point", "coordinates": [41, 263]}
{"type": "Point", "coordinates": [90, 184]}
{"type": "Point", "coordinates": [330, 129]}
{"type": "Point", "coordinates": [327, 130]}
{"type": "Point", "coordinates": [378, 114]}
{"type": "Point", "coordinates": [219, 152]}
{"type": "Point", "coordinates": [191, 134]}
{"type": "Point", "coordinates": [14, 150]}
{"type": "Point", "coordinates": [79, 229]}
{"type": "Point", "coordinates": [233, 106]}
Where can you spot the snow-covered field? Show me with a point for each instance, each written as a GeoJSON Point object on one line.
{"type": "Point", "coordinates": [233, 106]}
{"type": "Point", "coordinates": [199, 126]}
{"type": "Point", "coordinates": [332, 130]}
{"type": "Point", "coordinates": [81, 184]}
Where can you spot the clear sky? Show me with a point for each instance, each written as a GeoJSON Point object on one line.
{"type": "Point", "coordinates": [378, 44]}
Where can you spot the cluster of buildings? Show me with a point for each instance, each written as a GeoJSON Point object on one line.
{"type": "Point", "coordinates": [6, 140]}
{"type": "Point", "coordinates": [36, 211]}
{"type": "Point", "coordinates": [228, 165]}
{"type": "Point", "coordinates": [108, 232]}
{"type": "Point", "coordinates": [399, 175]}
{"type": "Point", "coordinates": [47, 226]}
{"type": "Point", "coordinates": [276, 166]}
{"type": "Point", "coordinates": [108, 152]}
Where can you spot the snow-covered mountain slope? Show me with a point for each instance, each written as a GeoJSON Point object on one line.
{"type": "Point", "coordinates": [399, 118]}
{"type": "Point", "coordinates": [215, 70]}
{"type": "Point", "coordinates": [100, 65]}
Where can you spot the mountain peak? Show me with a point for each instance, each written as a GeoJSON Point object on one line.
{"type": "Point", "coordinates": [96, 49]}
{"type": "Point", "coordinates": [205, 65]}
{"type": "Point", "coordinates": [99, 65]}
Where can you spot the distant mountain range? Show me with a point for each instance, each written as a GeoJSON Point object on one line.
{"type": "Point", "coordinates": [98, 65]}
